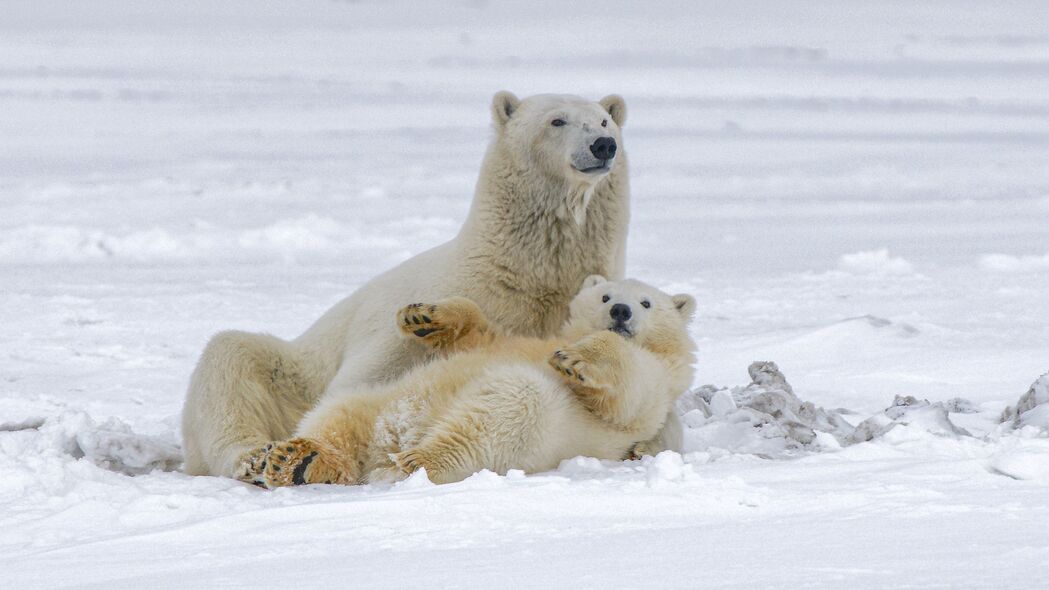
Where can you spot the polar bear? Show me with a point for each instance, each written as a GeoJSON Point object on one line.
{"type": "Point", "coordinates": [551, 207]}
{"type": "Point", "coordinates": [496, 401]}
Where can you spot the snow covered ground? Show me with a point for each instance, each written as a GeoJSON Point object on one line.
{"type": "Point", "coordinates": [856, 191]}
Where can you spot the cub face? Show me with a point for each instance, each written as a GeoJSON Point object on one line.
{"type": "Point", "coordinates": [636, 311]}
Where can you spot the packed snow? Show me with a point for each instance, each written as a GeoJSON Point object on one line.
{"type": "Point", "coordinates": [857, 196]}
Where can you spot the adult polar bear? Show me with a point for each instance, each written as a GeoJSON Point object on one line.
{"type": "Point", "coordinates": [551, 207]}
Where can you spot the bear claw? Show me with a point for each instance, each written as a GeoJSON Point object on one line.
{"type": "Point", "coordinates": [306, 461]}
{"type": "Point", "coordinates": [421, 320]}
{"type": "Point", "coordinates": [298, 476]}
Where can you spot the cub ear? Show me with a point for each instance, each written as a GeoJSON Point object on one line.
{"type": "Point", "coordinates": [593, 280]}
{"type": "Point", "coordinates": [614, 104]}
{"type": "Point", "coordinates": [685, 304]}
{"type": "Point", "coordinates": [504, 103]}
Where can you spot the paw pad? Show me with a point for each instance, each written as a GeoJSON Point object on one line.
{"type": "Point", "coordinates": [295, 462]}
{"type": "Point", "coordinates": [421, 320]}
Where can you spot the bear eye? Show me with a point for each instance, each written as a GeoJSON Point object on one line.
{"type": "Point", "coordinates": [557, 122]}
{"type": "Point", "coordinates": [605, 299]}
{"type": "Point", "coordinates": [645, 304]}
{"type": "Point", "coordinates": [604, 122]}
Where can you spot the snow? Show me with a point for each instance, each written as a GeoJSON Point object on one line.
{"type": "Point", "coordinates": [1007, 263]}
{"type": "Point", "coordinates": [875, 262]}
{"type": "Point", "coordinates": [859, 195]}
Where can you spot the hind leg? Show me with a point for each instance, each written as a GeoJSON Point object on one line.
{"type": "Point", "coordinates": [247, 390]}
{"type": "Point", "coordinates": [498, 423]}
{"type": "Point", "coordinates": [448, 457]}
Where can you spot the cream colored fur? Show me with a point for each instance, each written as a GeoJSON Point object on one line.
{"type": "Point", "coordinates": [537, 227]}
{"type": "Point", "coordinates": [499, 402]}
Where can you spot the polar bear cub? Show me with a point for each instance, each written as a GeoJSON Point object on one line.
{"type": "Point", "coordinates": [495, 401]}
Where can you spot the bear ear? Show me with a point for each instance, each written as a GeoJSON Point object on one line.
{"type": "Point", "coordinates": [504, 103]}
{"type": "Point", "coordinates": [614, 104]}
{"type": "Point", "coordinates": [593, 280]}
{"type": "Point", "coordinates": [685, 304]}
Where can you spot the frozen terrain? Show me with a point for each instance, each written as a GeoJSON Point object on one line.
{"type": "Point", "coordinates": [856, 191]}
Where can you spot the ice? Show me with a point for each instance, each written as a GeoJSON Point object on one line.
{"type": "Point", "coordinates": [764, 418]}
{"type": "Point", "coordinates": [112, 444]}
{"type": "Point", "coordinates": [929, 417]}
{"type": "Point", "coordinates": [767, 419]}
{"type": "Point", "coordinates": [1032, 409]}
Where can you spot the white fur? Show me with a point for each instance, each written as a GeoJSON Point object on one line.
{"type": "Point", "coordinates": [500, 406]}
{"type": "Point", "coordinates": [537, 227]}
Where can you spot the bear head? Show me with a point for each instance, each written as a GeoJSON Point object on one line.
{"type": "Point", "coordinates": [568, 135]}
{"type": "Point", "coordinates": [634, 310]}
{"type": "Point", "coordinates": [562, 138]}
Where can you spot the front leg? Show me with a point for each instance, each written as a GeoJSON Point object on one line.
{"type": "Point", "coordinates": [297, 461]}
{"type": "Point", "coordinates": [591, 363]}
{"type": "Point", "coordinates": [594, 368]}
{"type": "Point", "coordinates": [452, 324]}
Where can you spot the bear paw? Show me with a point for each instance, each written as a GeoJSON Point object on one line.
{"type": "Point", "coordinates": [252, 466]}
{"type": "Point", "coordinates": [410, 461]}
{"type": "Point", "coordinates": [425, 321]}
{"type": "Point", "coordinates": [642, 449]}
{"type": "Point", "coordinates": [574, 367]}
{"type": "Point", "coordinates": [297, 461]}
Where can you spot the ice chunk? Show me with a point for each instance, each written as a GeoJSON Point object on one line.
{"type": "Point", "coordinates": [112, 444]}
{"type": "Point", "coordinates": [765, 418]}
{"type": "Point", "coordinates": [909, 410]}
{"type": "Point", "coordinates": [1032, 409]}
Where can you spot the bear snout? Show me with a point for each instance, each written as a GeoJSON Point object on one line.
{"type": "Point", "coordinates": [604, 148]}
{"type": "Point", "coordinates": [620, 312]}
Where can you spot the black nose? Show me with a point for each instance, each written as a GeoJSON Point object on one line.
{"type": "Point", "coordinates": [604, 149]}
{"type": "Point", "coordinates": [620, 312]}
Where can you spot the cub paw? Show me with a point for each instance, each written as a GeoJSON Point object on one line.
{"type": "Point", "coordinates": [573, 366]}
{"type": "Point", "coordinates": [642, 449]}
{"type": "Point", "coordinates": [252, 466]}
{"type": "Point", "coordinates": [409, 461]}
{"type": "Point", "coordinates": [298, 461]}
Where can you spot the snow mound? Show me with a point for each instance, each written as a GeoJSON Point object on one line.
{"type": "Point", "coordinates": [876, 262]}
{"type": "Point", "coordinates": [764, 418]}
{"type": "Point", "coordinates": [1005, 263]}
{"type": "Point", "coordinates": [767, 419]}
{"type": "Point", "coordinates": [111, 445]}
{"type": "Point", "coordinates": [917, 413]}
{"type": "Point", "coordinates": [1032, 409]}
